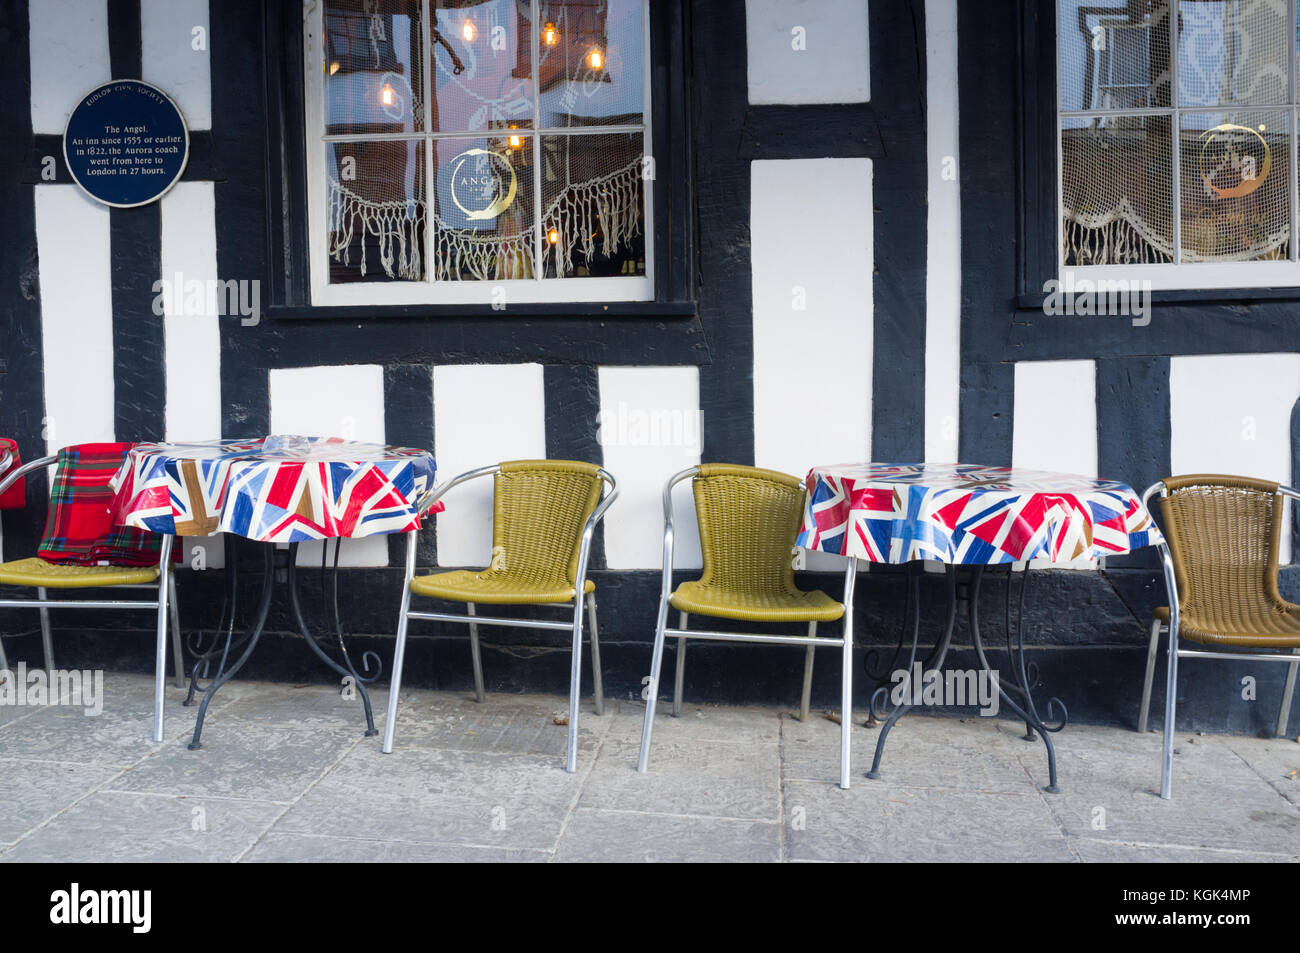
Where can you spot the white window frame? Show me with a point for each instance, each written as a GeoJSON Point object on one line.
{"type": "Point", "coordinates": [1177, 276]}
{"type": "Point", "coordinates": [430, 291]}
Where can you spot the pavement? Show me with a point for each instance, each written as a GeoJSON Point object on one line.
{"type": "Point", "coordinates": [286, 774]}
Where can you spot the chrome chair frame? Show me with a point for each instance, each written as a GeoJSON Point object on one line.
{"type": "Point", "coordinates": [165, 603]}
{"type": "Point", "coordinates": [474, 621]}
{"type": "Point", "coordinates": [809, 641]}
{"type": "Point", "coordinates": [1175, 653]}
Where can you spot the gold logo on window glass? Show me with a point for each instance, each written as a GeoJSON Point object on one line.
{"type": "Point", "coordinates": [1235, 153]}
{"type": "Point", "coordinates": [483, 183]}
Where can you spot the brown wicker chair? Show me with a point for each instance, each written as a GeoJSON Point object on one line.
{"type": "Point", "coordinates": [1223, 535]}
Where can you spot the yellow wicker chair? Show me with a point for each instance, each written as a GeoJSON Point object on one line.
{"type": "Point", "coordinates": [544, 515]}
{"type": "Point", "coordinates": [38, 574]}
{"type": "Point", "coordinates": [1223, 536]}
{"type": "Point", "coordinates": [748, 519]}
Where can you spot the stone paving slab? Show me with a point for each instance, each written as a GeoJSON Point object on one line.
{"type": "Point", "coordinates": [248, 760]}
{"type": "Point", "coordinates": [1112, 852]}
{"type": "Point", "coordinates": [32, 792]}
{"type": "Point", "coordinates": [977, 754]}
{"type": "Point", "coordinates": [286, 774]}
{"type": "Point", "coordinates": [113, 827]}
{"type": "Point", "coordinates": [276, 848]}
{"type": "Point", "coordinates": [886, 822]}
{"type": "Point", "coordinates": [595, 836]}
{"type": "Point", "coordinates": [1276, 760]}
{"type": "Point", "coordinates": [742, 782]}
{"type": "Point", "coordinates": [1234, 817]}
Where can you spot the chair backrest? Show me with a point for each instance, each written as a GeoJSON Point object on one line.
{"type": "Point", "coordinates": [540, 508]}
{"type": "Point", "coordinates": [79, 527]}
{"type": "Point", "coordinates": [749, 518]}
{"type": "Point", "coordinates": [1224, 535]}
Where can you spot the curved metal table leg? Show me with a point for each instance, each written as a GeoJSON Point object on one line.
{"type": "Point", "coordinates": [295, 606]}
{"type": "Point", "coordinates": [910, 603]}
{"type": "Point", "coordinates": [202, 659]}
{"type": "Point", "coordinates": [1029, 712]}
{"type": "Point", "coordinates": [368, 657]}
{"type": "Point", "coordinates": [254, 633]}
{"type": "Point", "coordinates": [939, 654]}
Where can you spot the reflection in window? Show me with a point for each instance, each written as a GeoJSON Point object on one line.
{"type": "Point", "coordinates": [1177, 130]}
{"type": "Point", "coordinates": [523, 120]}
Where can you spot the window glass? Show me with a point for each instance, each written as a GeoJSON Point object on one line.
{"type": "Point", "coordinates": [1195, 96]}
{"type": "Point", "coordinates": [524, 120]}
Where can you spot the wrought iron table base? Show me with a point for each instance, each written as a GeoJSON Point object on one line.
{"type": "Point", "coordinates": [222, 652]}
{"type": "Point", "coordinates": [1024, 673]}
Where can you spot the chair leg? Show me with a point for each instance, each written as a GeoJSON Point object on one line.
{"type": "Point", "coordinates": [4, 660]}
{"type": "Point", "coordinates": [1171, 704]}
{"type": "Point", "coordinates": [178, 651]}
{"type": "Point", "coordinates": [47, 639]}
{"type": "Point", "coordinates": [1152, 648]}
{"type": "Point", "coordinates": [476, 658]}
{"type": "Point", "coordinates": [395, 684]}
{"type": "Point", "coordinates": [680, 678]}
{"type": "Point", "coordinates": [160, 648]}
{"type": "Point", "coordinates": [806, 698]}
{"type": "Point", "coordinates": [597, 681]}
{"type": "Point", "coordinates": [652, 690]}
{"type": "Point", "coordinates": [1287, 694]}
{"type": "Point", "coordinates": [846, 672]}
{"type": "Point", "coordinates": [575, 686]}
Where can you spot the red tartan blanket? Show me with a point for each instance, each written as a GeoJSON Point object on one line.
{"type": "Point", "coordinates": [79, 528]}
{"type": "Point", "coordinates": [15, 497]}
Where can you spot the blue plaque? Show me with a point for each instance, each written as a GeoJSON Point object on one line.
{"type": "Point", "coordinates": [126, 143]}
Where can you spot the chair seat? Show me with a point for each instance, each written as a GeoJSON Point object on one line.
{"type": "Point", "coordinates": [493, 588]}
{"type": "Point", "coordinates": [35, 571]}
{"type": "Point", "coordinates": [771, 606]}
{"type": "Point", "coordinates": [1267, 630]}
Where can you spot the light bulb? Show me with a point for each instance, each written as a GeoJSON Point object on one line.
{"type": "Point", "coordinates": [334, 67]}
{"type": "Point", "coordinates": [597, 60]}
{"type": "Point", "coordinates": [553, 236]}
{"type": "Point", "coordinates": [387, 95]}
{"type": "Point", "coordinates": [516, 142]}
{"type": "Point", "coordinates": [550, 35]}
{"type": "Point", "coordinates": [468, 31]}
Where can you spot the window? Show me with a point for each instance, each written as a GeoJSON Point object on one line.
{"type": "Point", "coordinates": [1177, 141]}
{"type": "Point", "coordinates": [478, 151]}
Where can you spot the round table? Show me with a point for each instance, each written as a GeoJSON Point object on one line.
{"type": "Point", "coordinates": [969, 517]}
{"type": "Point", "coordinates": [274, 490]}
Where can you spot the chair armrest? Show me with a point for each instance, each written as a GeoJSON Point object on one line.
{"type": "Point", "coordinates": [589, 528]}
{"type": "Point", "coordinates": [11, 478]}
{"type": "Point", "coordinates": [670, 531]}
{"type": "Point", "coordinates": [465, 477]}
{"type": "Point", "coordinates": [1166, 556]}
{"type": "Point", "coordinates": [599, 512]}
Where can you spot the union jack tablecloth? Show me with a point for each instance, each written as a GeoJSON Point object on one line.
{"type": "Point", "coordinates": [966, 514]}
{"type": "Point", "coordinates": [279, 489]}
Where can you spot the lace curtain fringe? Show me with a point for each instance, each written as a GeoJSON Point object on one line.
{"type": "Point", "coordinates": [1115, 240]}
{"type": "Point", "coordinates": [609, 206]}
